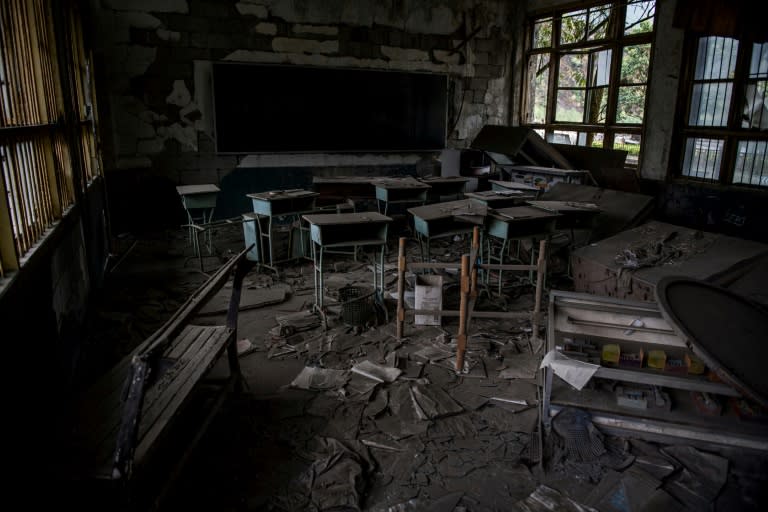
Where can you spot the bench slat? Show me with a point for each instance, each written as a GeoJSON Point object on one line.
{"type": "Point", "coordinates": [158, 416]}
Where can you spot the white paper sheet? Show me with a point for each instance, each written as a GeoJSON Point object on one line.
{"type": "Point", "coordinates": [574, 372]}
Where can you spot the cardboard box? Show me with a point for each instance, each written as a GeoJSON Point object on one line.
{"type": "Point", "coordinates": [611, 354]}
{"type": "Point", "coordinates": [429, 295]}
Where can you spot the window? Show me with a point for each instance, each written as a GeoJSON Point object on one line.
{"type": "Point", "coordinates": [587, 75]}
{"type": "Point", "coordinates": [47, 131]}
{"type": "Point", "coordinates": [725, 135]}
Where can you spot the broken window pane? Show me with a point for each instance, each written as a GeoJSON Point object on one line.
{"type": "Point", "coordinates": [716, 58]}
{"type": "Point", "coordinates": [639, 17]}
{"type": "Point", "coordinates": [561, 137]}
{"type": "Point", "coordinates": [570, 106]}
{"type": "Point", "coordinates": [629, 142]}
{"type": "Point", "coordinates": [542, 33]}
{"type": "Point", "coordinates": [573, 27]}
{"type": "Point", "coordinates": [702, 158]}
{"type": "Point", "coordinates": [573, 70]}
{"type": "Point", "coordinates": [710, 103]}
{"type": "Point", "coordinates": [635, 61]}
{"type": "Point", "coordinates": [751, 165]}
{"type": "Point", "coordinates": [538, 75]}
{"type": "Point", "coordinates": [755, 110]}
{"type": "Point", "coordinates": [600, 68]}
{"type": "Point", "coordinates": [631, 104]}
{"type": "Point", "coordinates": [597, 109]}
{"type": "Point", "coordinates": [598, 23]}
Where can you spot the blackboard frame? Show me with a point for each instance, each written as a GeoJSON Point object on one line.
{"type": "Point", "coordinates": [326, 109]}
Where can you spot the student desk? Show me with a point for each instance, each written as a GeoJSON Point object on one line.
{"type": "Point", "coordinates": [399, 191]}
{"type": "Point", "coordinates": [334, 230]}
{"type": "Point", "coordinates": [516, 223]}
{"type": "Point", "coordinates": [279, 203]}
{"type": "Point", "coordinates": [199, 202]}
{"type": "Point", "coordinates": [445, 186]}
{"type": "Point", "coordinates": [500, 199]}
{"type": "Point", "coordinates": [445, 219]}
{"type": "Point", "coordinates": [337, 189]}
{"type": "Point", "coordinates": [574, 214]}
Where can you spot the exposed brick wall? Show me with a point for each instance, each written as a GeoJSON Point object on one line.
{"type": "Point", "coordinates": [153, 58]}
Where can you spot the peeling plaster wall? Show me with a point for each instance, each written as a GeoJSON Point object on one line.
{"type": "Point", "coordinates": [154, 60]}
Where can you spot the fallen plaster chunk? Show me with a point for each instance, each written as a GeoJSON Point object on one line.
{"type": "Point", "coordinates": [249, 9]}
{"type": "Point", "coordinates": [180, 95]}
{"type": "Point", "coordinates": [521, 366]}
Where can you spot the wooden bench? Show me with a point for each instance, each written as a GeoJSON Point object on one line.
{"type": "Point", "coordinates": [122, 420]}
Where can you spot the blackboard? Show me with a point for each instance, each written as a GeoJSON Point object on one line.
{"type": "Point", "coordinates": [283, 108]}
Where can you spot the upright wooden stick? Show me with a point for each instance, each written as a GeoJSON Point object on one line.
{"type": "Point", "coordinates": [461, 337]}
{"type": "Point", "coordinates": [400, 288]}
{"type": "Point", "coordinates": [475, 252]}
{"type": "Point", "coordinates": [541, 271]}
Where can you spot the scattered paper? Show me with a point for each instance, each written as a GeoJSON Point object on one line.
{"type": "Point", "coordinates": [376, 372]}
{"type": "Point", "coordinates": [320, 378]}
{"type": "Point", "coordinates": [574, 372]}
{"type": "Point", "coordinates": [520, 366]}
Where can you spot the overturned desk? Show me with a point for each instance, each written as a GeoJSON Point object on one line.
{"type": "Point", "coordinates": [289, 204]}
{"type": "Point", "coordinates": [334, 230]}
{"type": "Point", "coordinates": [445, 219]}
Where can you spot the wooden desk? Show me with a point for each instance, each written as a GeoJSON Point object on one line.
{"type": "Point", "coordinates": [332, 230]}
{"type": "Point", "coordinates": [516, 223]}
{"type": "Point", "coordinates": [500, 198]}
{"type": "Point", "coordinates": [445, 186]}
{"type": "Point", "coordinates": [340, 188]}
{"type": "Point", "coordinates": [399, 191]}
{"type": "Point", "coordinates": [279, 203]}
{"type": "Point", "coordinates": [574, 215]}
{"type": "Point", "coordinates": [445, 219]}
{"type": "Point", "coordinates": [199, 202]}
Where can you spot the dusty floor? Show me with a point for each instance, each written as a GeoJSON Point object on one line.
{"type": "Point", "coordinates": [428, 440]}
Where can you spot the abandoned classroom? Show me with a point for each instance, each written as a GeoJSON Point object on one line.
{"type": "Point", "coordinates": [407, 255]}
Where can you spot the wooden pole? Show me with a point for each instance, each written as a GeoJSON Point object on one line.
{"type": "Point", "coordinates": [461, 337]}
{"type": "Point", "coordinates": [541, 271]}
{"type": "Point", "coordinates": [475, 252]}
{"type": "Point", "coordinates": [400, 288]}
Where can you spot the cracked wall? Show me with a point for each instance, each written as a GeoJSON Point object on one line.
{"type": "Point", "coordinates": [153, 58]}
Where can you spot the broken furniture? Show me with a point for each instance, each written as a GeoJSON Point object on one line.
{"type": "Point", "coordinates": [619, 211]}
{"type": "Point", "coordinates": [544, 177]}
{"type": "Point", "coordinates": [336, 230]}
{"type": "Point", "coordinates": [443, 186]}
{"type": "Point", "coordinates": [517, 145]}
{"type": "Point", "coordinates": [629, 264]}
{"type": "Point", "coordinates": [469, 267]}
{"type": "Point", "coordinates": [399, 191]}
{"type": "Point", "coordinates": [597, 344]}
{"type": "Point", "coordinates": [199, 203]}
{"type": "Point", "coordinates": [445, 219]}
{"type": "Point", "coordinates": [500, 198]}
{"type": "Point", "coordinates": [288, 205]}
{"type": "Point", "coordinates": [124, 421]}
{"type": "Point", "coordinates": [504, 186]}
{"type": "Point", "coordinates": [516, 224]}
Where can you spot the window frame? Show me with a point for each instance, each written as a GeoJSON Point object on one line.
{"type": "Point", "coordinates": [49, 146]}
{"type": "Point", "coordinates": [615, 41]}
{"type": "Point", "coordinates": [731, 134]}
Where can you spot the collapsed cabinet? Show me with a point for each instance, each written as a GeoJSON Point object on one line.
{"type": "Point", "coordinates": [644, 374]}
